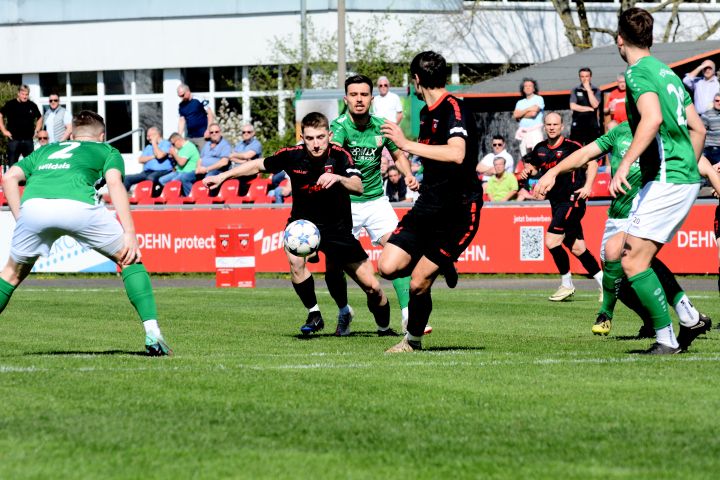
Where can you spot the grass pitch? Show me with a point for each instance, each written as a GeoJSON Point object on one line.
{"type": "Point", "coordinates": [510, 386]}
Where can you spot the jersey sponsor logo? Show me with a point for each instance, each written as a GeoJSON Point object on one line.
{"type": "Point", "coordinates": [363, 153]}
{"type": "Point", "coordinates": [54, 166]}
{"type": "Point", "coordinates": [458, 130]}
{"type": "Point", "coordinates": [435, 125]}
{"type": "Point", "coordinates": [300, 172]}
{"type": "Point", "coordinates": [329, 169]}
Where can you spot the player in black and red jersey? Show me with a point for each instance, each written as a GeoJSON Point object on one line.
{"type": "Point", "coordinates": [567, 202]}
{"type": "Point", "coordinates": [445, 218]}
{"type": "Point", "coordinates": [322, 177]}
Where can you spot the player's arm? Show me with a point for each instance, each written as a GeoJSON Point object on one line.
{"type": "Point", "coordinates": [248, 168]}
{"type": "Point", "coordinates": [352, 184]}
{"type": "Point", "coordinates": [709, 172]}
{"type": "Point", "coordinates": [650, 120]}
{"type": "Point", "coordinates": [130, 252]}
{"type": "Point", "coordinates": [453, 152]}
{"type": "Point", "coordinates": [11, 188]}
{"type": "Point", "coordinates": [591, 173]}
{"type": "Point", "coordinates": [697, 130]}
{"type": "Point", "coordinates": [576, 160]}
{"type": "Point", "coordinates": [403, 166]}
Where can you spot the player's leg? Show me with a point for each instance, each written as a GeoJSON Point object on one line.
{"type": "Point", "coordinates": [377, 302]}
{"type": "Point", "coordinates": [304, 286]}
{"type": "Point", "coordinates": [554, 244]}
{"type": "Point", "coordinates": [574, 230]}
{"type": "Point", "coordinates": [10, 277]}
{"type": "Point", "coordinates": [402, 289]}
{"type": "Point", "coordinates": [610, 251]}
{"type": "Point", "coordinates": [337, 286]}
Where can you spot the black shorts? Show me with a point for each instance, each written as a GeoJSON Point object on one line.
{"type": "Point", "coordinates": [566, 219]}
{"type": "Point", "coordinates": [716, 223]}
{"type": "Point", "coordinates": [339, 244]}
{"type": "Point", "coordinates": [441, 238]}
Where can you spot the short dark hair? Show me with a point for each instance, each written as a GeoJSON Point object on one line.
{"type": "Point", "coordinates": [392, 168]}
{"type": "Point", "coordinates": [314, 120]}
{"type": "Point", "coordinates": [358, 79]}
{"type": "Point", "coordinates": [528, 79]}
{"type": "Point", "coordinates": [585, 69]}
{"type": "Point", "coordinates": [430, 68]}
{"type": "Point", "coordinates": [635, 26]}
{"type": "Point", "coordinates": [174, 136]}
{"type": "Point", "coordinates": [497, 136]}
{"type": "Point", "coordinates": [88, 119]}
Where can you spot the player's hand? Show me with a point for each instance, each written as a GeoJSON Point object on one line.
{"type": "Point", "coordinates": [412, 183]}
{"type": "Point", "coordinates": [619, 184]}
{"type": "Point", "coordinates": [328, 179]}
{"type": "Point", "coordinates": [212, 181]}
{"type": "Point", "coordinates": [7, 134]}
{"type": "Point", "coordinates": [583, 192]}
{"type": "Point", "coordinates": [526, 172]}
{"type": "Point", "coordinates": [130, 253]}
{"type": "Point", "coordinates": [544, 185]}
{"type": "Point", "coordinates": [393, 132]}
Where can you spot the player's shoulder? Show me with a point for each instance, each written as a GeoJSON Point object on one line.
{"type": "Point", "coordinates": [340, 120]}
{"type": "Point", "coordinates": [289, 151]}
{"type": "Point", "coordinates": [572, 144]}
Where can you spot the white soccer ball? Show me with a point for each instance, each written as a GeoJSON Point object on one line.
{"type": "Point", "coordinates": [302, 238]}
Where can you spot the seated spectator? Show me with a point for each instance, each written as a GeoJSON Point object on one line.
{"type": "Point", "coordinates": [155, 159]}
{"type": "Point", "coordinates": [703, 87]}
{"type": "Point", "coordinates": [186, 157]}
{"type": "Point", "coordinates": [215, 154]}
{"type": "Point", "coordinates": [711, 119]}
{"type": "Point", "coordinates": [486, 168]}
{"type": "Point", "coordinates": [395, 188]}
{"type": "Point", "coordinates": [42, 139]}
{"type": "Point", "coordinates": [282, 190]}
{"type": "Point", "coordinates": [529, 114]}
{"type": "Point", "coordinates": [615, 103]}
{"type": "Point", "coordinates": [249, 148]}
{"type": "Point", "coordinates": [502, 186]}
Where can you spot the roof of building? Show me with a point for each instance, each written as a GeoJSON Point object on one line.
{"type": "Point", "coordinates": [557, 77]}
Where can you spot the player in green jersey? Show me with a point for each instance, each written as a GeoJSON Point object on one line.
{"type": "Point", "coordinates": [60, 199]}
{"type": "Point", "coordinates": [668, 137]}
{"type": "Point", "coordinates": [359, 132]}
{"type": "Point", "coordinates": [616, 142]}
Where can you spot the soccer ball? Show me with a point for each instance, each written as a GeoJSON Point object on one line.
{"type": "Point", "coordinates": [302, 238]}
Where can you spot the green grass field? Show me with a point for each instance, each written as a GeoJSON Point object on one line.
{"type": "Point", "coordinates": [510, 386]}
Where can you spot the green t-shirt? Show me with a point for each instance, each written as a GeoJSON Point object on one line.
{"type": "Point", "coordinates": [69, 170]}
{"type": "Point", "coordinates": [670, 158]}
{"type": "Point", "coordinates": [617, 141]}
{"type": "Point", "coordinates": [189, 151]}
{"type": "Point", "coordinates": [497, 190]}
{"type": "Point", "coordinates": [366, 146]}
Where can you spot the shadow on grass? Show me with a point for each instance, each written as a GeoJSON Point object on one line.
{"type": "Point", "coordinates": [464, 348]}
{"type": "Point", "coordinates": [357, 334]}
{"type": "Point", "coordinates": [88, 352]}
{"type": "Point", "coordinates": [631, 337]}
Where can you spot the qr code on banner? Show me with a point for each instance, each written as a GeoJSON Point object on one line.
{"type": "Point", "coordinates": [532, 246]}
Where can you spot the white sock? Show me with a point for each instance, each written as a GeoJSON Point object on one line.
{"type": "Point", "coordinates": [567, 280]}
{"type": "Point", "coordinates": [152, 328]}
{"type": "Point", "coordinates": [404, 313]}
{"type": "Point", "coordinates": [598, 277]}
{"type": "Point", "coordinates": [413, 338]}
{"type": "Point", "coordinates": [666, 336]}
{"type": "Point", "coordinates": [688, 314]}
{"type": "Point", "coordinates": [314, 309]}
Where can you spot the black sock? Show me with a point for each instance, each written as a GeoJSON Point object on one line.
{"type": "Point", "coordinates": [337, 286]}
{"type": "Point", "coordinates": [419, 310]}
{"type": "Point", "coordinates": [667, 280]}
{"type": "Point", "coordinates": [306, 291]}
{"type": "Point", "coordinates": [589, 263]}
{"type": "Point", "coordinates": [380, 312]}
{"type": "Point", "coordinates": [562, 261]}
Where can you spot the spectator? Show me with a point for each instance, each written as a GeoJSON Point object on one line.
{"type": "Point", "coordinates": [395, 188]}
{"type": "Point", "coordinates": [486, 167]}
{"type": "Point", "coordinates": [195, 115]}
{"type": "Point", "coordinates": [215, 155]}
{"type": "Point", "coordinates": [585, 106]}
{"type": "Point", "coordinates": [615, 103]}
{"type": "Point", "coordinates": [155, 159]}
{"type": "Point", "coordinates": [711, 119]}
{"type": "Point", "coordinates": [186, 157]}
{"type": "Point", "coordinates": [57, 120]}
{"type": "Point", "coordinates": [282, 190]}
{"type": "Point", "coordinates": [249, 148]}
{"type": "Point", "coordinates": [416, 167]}
{"type": "Point", "coordinates": [502, 186]}
{"type": "Point", "coordinates": [387, 105]}
{"type": "Point", "coordinates": [23, 123]}
{"type": "Point", "coordinates": [529, 112]}
{"type": "Point", "coordinates": [42, 139]}
{"type": "Point", "coordinates": [704, 88]}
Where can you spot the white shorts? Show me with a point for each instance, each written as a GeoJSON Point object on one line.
{"type": "Point", "coordinates": [613, 226]}
{"type": "Point", "coordinates": [661, 209]}
{"type": "Point", "coordinates": [42, 221]}
{"type": "Point", "coordinates": [376, 216]}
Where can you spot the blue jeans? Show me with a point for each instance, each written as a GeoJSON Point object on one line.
{"type": "Point", "coordinates": [186, 178]}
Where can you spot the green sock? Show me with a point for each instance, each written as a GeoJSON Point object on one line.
{"type": "Point", "coordinates": [6, 291]}
{"type": "Point", "coordinates": [612, 275]}
{"type": "Point", "coordinates": [139, 291]}
{"type": "Point", "coordinates": [652, 297]}
{"type": "Point", "coordinates": [402, 289]}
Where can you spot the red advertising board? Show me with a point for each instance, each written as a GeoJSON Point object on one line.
{"type": "Point", "coordinates": [510, 239]}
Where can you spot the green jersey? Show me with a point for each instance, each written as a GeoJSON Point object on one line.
{"type": "Point", "coordinates": [366, 146]}
{"type": "Point", "coordinates": [69, 170]}
{"type": "Point", "coordinates": [189, 151]}
{"type": "Point", "coordinates": [617, 141]}
{"type": "Point", "coordinates": [670, 158]}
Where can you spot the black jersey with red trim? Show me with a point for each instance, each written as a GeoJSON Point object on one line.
{"type": "Point", "coordinates": [446, 183]}
{"type": "Point", "coordinates": [544, 157]}
{"type": "Point", "coordinates": [324, 207]}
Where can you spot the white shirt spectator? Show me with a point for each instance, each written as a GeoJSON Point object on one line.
{"type": "Point", "coordinates": [387, 106]}
{"type": "Point", "coordinates": [487, 161]}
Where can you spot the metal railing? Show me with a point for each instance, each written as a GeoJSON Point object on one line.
{"type": "Point", "coordinates": [127, 134]}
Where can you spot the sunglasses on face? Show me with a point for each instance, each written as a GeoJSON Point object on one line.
{"type": "Point", "coordinates": [497, 144]}
{"type": "Point", "coordinates": [215, 131]}
{"type": "Point", "coordinates": [383, 85]}
{"type": "Point", "coordinates": [43, 138]}
{"type": "Point", "coordinates": [54, 100]}
{"type": "Point", "coordinates": [247, 131]}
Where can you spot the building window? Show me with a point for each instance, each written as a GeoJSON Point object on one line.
{"type": "Point", "coordinates": [150, 114]}
{"type": "Point", "coordinates": [198, 79]}
{"type": "Point", "coordinates": [83, 83]}
{"type": "Point", "coordinates": [12, 79]}
{"type": "Point", "coordinates": [227, 79]}
{"type": "Point", "coordinates": [118, 119]}
{"type": "Point", "coordinates": [148, 81]}
{"type": "Point", "coordinates": [118, 82]}
{"type": "Point", "coordinates": [53, 83]}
